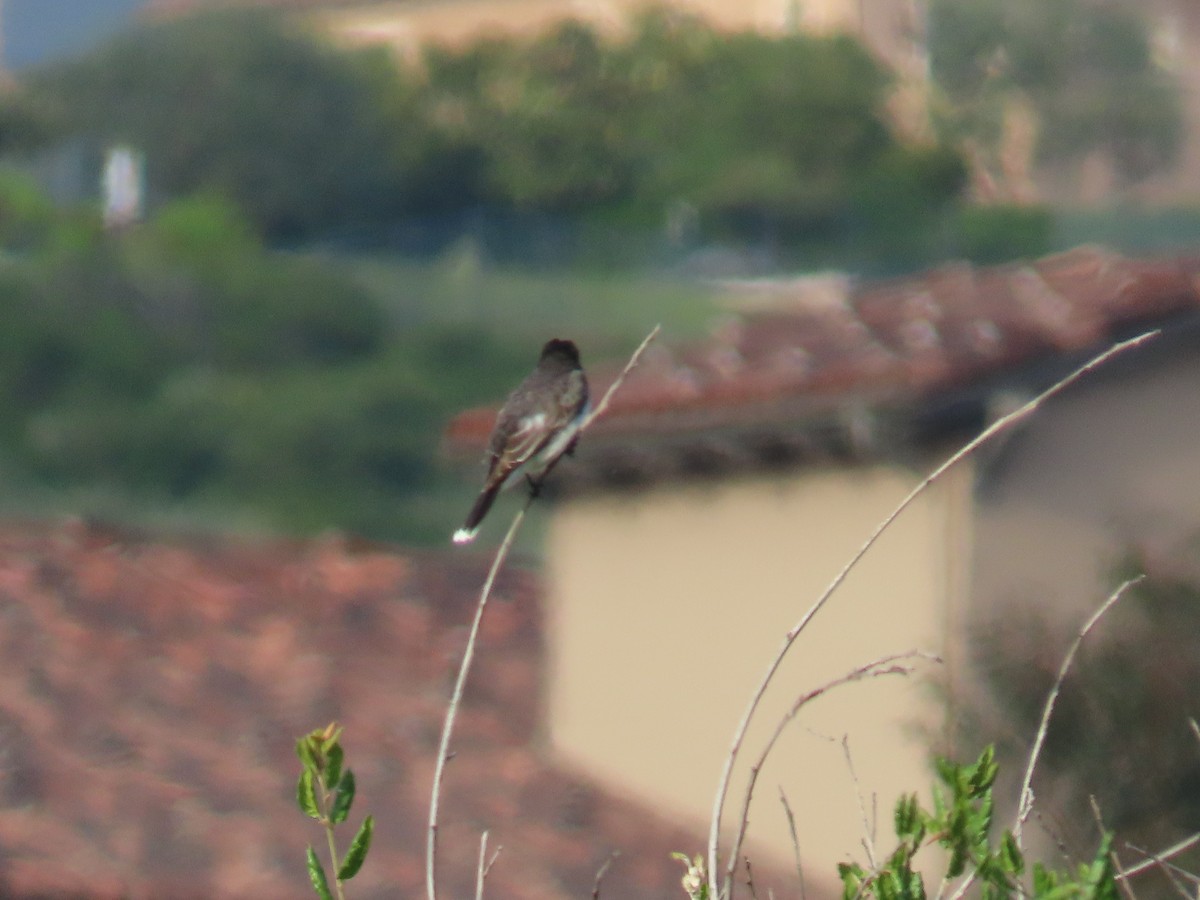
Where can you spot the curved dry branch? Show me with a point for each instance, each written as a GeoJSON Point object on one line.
{"type": "Point", "coordinates": [894, 664]}
{"type": "Point", "coordinates": [723, 891]}
{"type": "Point", "coordinates": [1025, 804]}
{"type": "Point", "coordinates": [464, 669]}
{"type": "Point", "coordinates": [456, 700]}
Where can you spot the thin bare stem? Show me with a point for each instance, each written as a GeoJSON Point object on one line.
{"type": "Point", "coordinates": [602, 406]}
{"type": "Point", "coordinates": [1171, 852]}
{"type": "Point", "coordinates": [456, 700]}
{"type": "Point", "coordinates": [1000, 425]}
{"type": "Point", "coordinates": [325, 805]}
{"type": "Point", "coordinates": [868, 832]}
{"type": "Point", "coordinates": [795, 841]}
{"type": "Point", "coordinates": [602, 871]}
{"type": "Point", "coordinates": [1118, 867]}
{"type": "Point", "coordinates": [1025, 804]}
{"type": "Point", "coordinates": [887, 665]}
{"type": "Point", "coordinates": [481, 868]}
{"type": "Point", "coordinates": [750, 880]}
{"type": "Point", "coordinates": [1170, 871]}
{"type": "Point", "coordinates": [469, 652]}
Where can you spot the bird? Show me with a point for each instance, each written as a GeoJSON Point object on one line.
{"type": "Point", "coordinates": [536, 426]}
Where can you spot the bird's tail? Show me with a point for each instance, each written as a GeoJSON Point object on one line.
{"type": "Point", "coordinates": [483, 503]}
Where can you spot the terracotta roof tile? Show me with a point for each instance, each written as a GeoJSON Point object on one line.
{"type": "Point", "coordinates": [799, 354]}
{"type": "Point", "coordinates": [151, 693]}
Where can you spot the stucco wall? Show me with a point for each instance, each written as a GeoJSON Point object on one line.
{"type": "Point", "coordinates": [666, 607]}
{"type": "Point", "coordinates": [1115, 459]}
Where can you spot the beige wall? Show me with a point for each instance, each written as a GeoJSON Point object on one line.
{"type": "Point", "coordinates": [1113, 461]}
{"type": "Point", "coordinates": [666, 608]}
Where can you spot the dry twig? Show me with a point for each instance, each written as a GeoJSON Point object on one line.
{"type": "Point", "coordinates": [868, 841]}
{"type": "Point", "coordinates": [602, 871]}
{"type": "Point", "coordinates": [469, 652]}
{"type": "Point", "coordinates": [1025, 804]}
{"type": "Point", "coordinates": [1172, 872]}
{"type": "Point", "coordinates": [484, 866]}
{"type": "Point", "coordinates": [887, 665]}
{"type": "Point", "coordinates": [795, 841]}
{"type": "Point", "coordinates": [1170, 853]}
{"type": "Point", "coordinates": [750, 880]}
{"type": "Point", "coordinates": [718, 891]}
{"type": "Point", "coordinates": [1118, 868]}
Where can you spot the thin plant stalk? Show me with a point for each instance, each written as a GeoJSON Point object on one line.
{"type": "Point", "coordinates": [464, 669]}
{"type": "Point", "coordinates": [718, 891]}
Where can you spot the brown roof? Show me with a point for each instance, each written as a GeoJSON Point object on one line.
{"type": "Point", "coordinates": [799, 367]}
{"type": "Point", "coordinates": [151, 693]}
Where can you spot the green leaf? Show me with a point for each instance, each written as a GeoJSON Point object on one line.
{"type": "Point", "coordinates": [1010, 855]}
{"type": "Point", "coordinates": [345, 797]}
{"type": "Point", "coordinates": [304, 750]}
{"type": "Point", "coordinates": [852, 876]}
{"type": "Point", "coordinates": [316, 874]}
{"type": "Point", "coordinates": [333, 764]}
{"type": "Point", "coordinates": [888, 885]}
{"type": "Point", "coordinates": [939, 804]}
{"type": "Point", "coordinates": [1044, 880]}
{"type": "Point", "coordinates": [357, 853]}
{"type": "Point", "coordinates": [983, 773]}
{"type": "Point", "coordinates": [305, 797]}
{"type": "Point", "coordinates": [328, 743]}
{"type": "Point", "coordinates": [916, 886]}
{"type": "Point", "coordinates": [958, 862]}
{"type": "Point", "coordinates": [906, 815]}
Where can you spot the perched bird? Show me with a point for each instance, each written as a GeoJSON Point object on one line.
{"type": "Point", "coordinates": [538, 423]}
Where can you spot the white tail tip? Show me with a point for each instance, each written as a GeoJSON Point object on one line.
{"type": "Point", "coordinates": [463, 536]}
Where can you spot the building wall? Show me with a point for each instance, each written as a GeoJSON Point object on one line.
{"type": "Point", "coordinates": [1113, 460]}
{"type": "Point", "coordinates": [405, 24]}
{"type": "Point", "coordinates": [666, 608]}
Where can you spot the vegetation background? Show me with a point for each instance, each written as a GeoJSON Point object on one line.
{"type": "Point", "coordinates": [342, 248]}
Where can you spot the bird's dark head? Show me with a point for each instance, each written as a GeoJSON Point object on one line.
{"type": "Point", "coordinates": [558, 349]}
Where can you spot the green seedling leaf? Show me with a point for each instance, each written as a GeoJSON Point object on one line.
{"type": "Point", "coordinates": [305, 797]}
{"type": "Point", "coordinates": [916, 886]}
{"type": "Point", "coordinates": [983, 774]}
{"type": "Point", "coordinates": [958, 862]}
{"type": "Point", "coordinates": [357, 853]}
{"type": "Point", "coordinates": [304, 750]}
{"type": "Point", "coordinates": [939, 804]}
{"type": "Point", "coordinates": [316, 874]}
{"type": "Point", "coordinates": [333, 764]}
{"type": "Point", "coordinates": [906, 815]}
{"type": "Point", "coordinates": [852, 876]}
{"type": "Point", "coordinates": [330, 737]}
{"type": "Point", "coordinates": [345, 797]}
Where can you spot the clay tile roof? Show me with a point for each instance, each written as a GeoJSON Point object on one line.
{"type": "Point", "coordinates": [799, 351]}
{"type": "Point", "coordinates": [151, 693]}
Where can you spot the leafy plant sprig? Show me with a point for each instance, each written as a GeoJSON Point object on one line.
{"type": "Point", "coordinates": [961, 824]}
{"type": "Point", "coordinates": [325, 792]}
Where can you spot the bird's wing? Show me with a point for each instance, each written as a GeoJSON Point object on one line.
{"type": "Point", "coordinates": [522, 444]}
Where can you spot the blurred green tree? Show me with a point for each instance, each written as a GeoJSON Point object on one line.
{"type": "Point", "coordinates": [236, 104]}
{"type": "Point", "coordinates": [1086, 68]}
{"type": "Point", "coordinates": [761, 135]}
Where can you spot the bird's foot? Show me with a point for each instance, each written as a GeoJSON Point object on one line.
{"type": "Point", "coordinates": [535, 486]}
